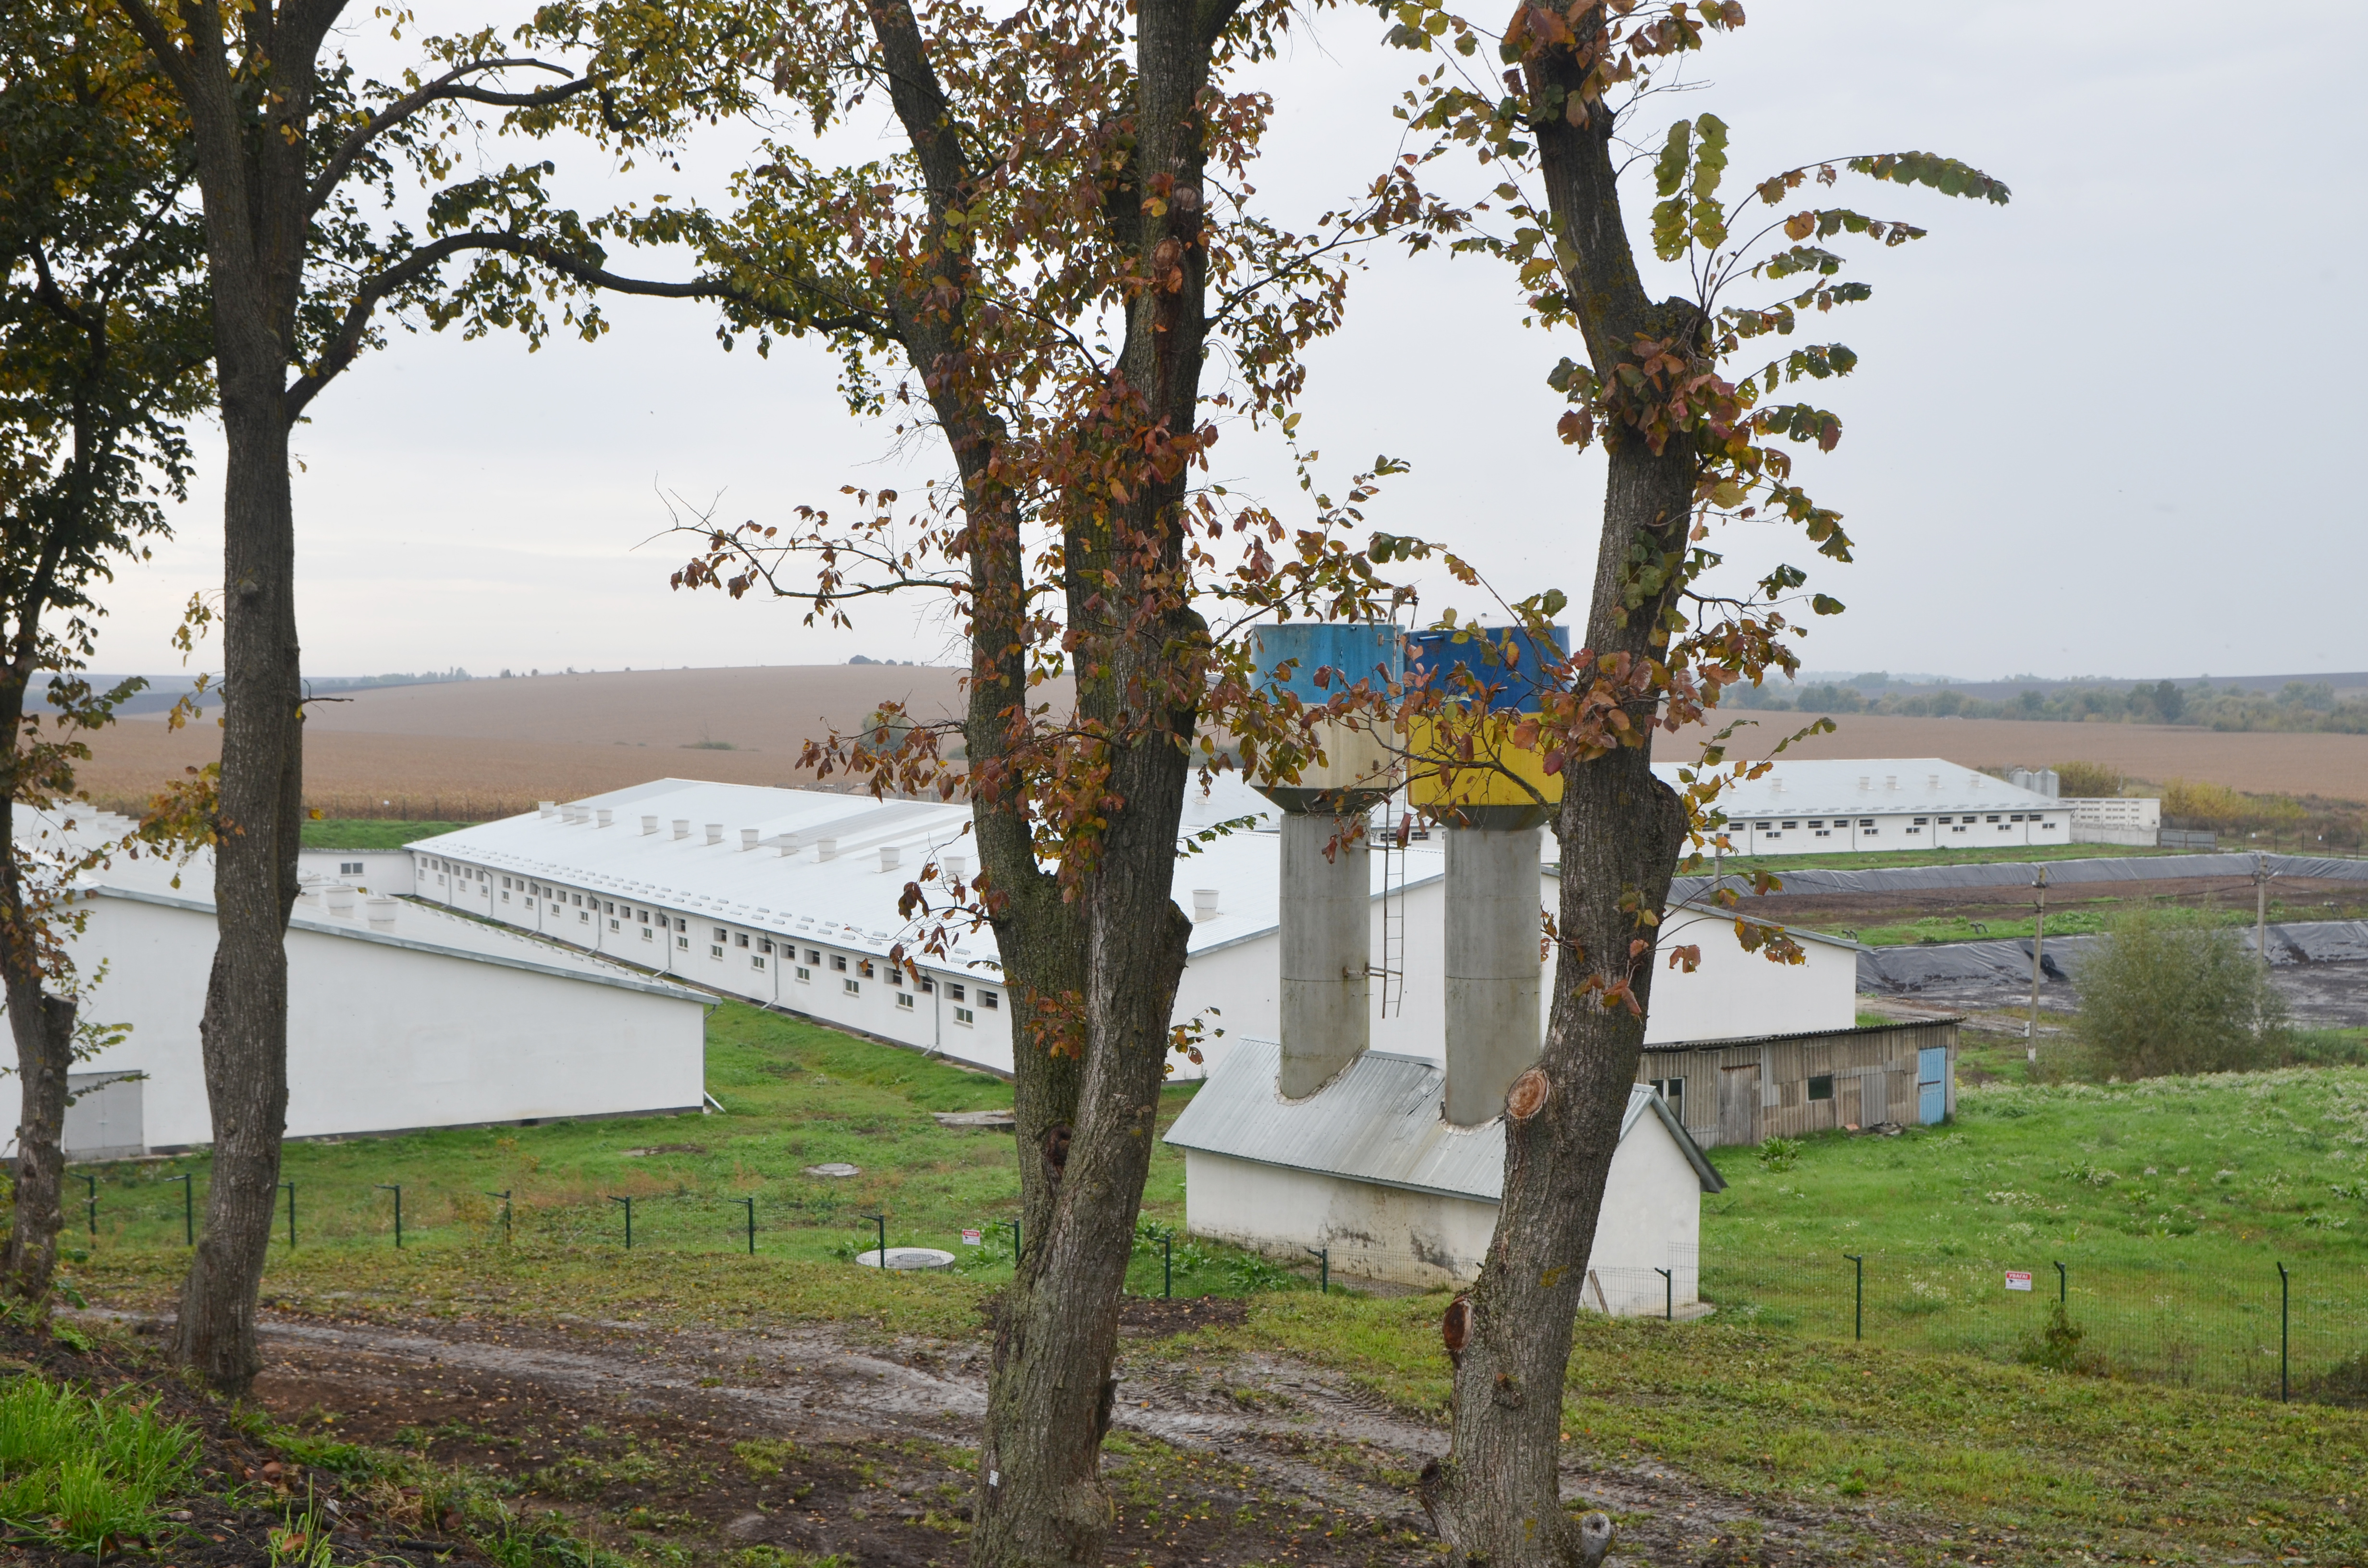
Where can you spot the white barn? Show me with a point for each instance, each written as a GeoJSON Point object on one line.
{"type": "Point", "coordinates": [399, 1017]}
{"type": "Point", "coordinates": [1369, 1171]}
{"type": "Point", "coordinates": [788, 898]}
{"type": "Point", "coordinates": [1914, 802]}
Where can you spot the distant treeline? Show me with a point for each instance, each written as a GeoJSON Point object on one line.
{"type": "Point", "coordinates": [2298, 706]}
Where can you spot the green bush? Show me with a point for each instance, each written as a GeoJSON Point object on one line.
{"type": "Point", "coordinates": [2167, 994]}
{"type": "Point", "coordinates": [86, 1472]}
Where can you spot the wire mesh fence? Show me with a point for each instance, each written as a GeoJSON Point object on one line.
{"type": "Point", "coordinates": [2271, 1329]}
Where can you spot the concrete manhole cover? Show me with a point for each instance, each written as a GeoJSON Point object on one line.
{"type": "Point", "coordinates": [906, 1257]}
{"type": "Point", "coordinates": [836, 1168]}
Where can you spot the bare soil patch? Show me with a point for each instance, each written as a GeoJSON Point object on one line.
{"type": "Point", "coordinates": [809, 1440]}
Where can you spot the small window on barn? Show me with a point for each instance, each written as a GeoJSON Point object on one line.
{"type": "Point", "coordinates": [1821, 1087]}
{"type": "Point", "coordinates": [740, 940]}
{"type": "Point", "coordinates": [1673, 1090]}
{"type": "Point", "coordinates": [989, 1000]}
{"type": "Point", "coordinates": [838, 962]}
{"type": "Point", "coordinates": [955, 992]}
{"type": "Point", "coordinates": [852, 987]}
{"type": "Point", "coordinates": [905, 1000]}
{"type": "Point", "coordinates": [812, 956]}
{"type": "Point", "coordinates": [863, 968]}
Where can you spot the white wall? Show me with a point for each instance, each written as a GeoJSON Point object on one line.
{"type": "Point", "coordinates": [383, 872]}
{"type": "Point", "coordinates": [382, 1037]}
{"type": "Point", "coordinates": [1651, 1220]}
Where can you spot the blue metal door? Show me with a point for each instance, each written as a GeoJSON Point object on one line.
{"type": "Point", "coordinates": [1932, 1084]}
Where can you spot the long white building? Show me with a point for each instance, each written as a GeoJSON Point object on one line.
{"type": "Point", "coordinates": [788, 898]}
{"type": "Point", "coordinates": [1915, 802]}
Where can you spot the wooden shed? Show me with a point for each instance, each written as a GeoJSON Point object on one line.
{"type": "Point", "coordinates": [1785, 1085]}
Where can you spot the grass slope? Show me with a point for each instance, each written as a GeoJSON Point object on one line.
{"type": "Point", "coordinates": [371, 832]}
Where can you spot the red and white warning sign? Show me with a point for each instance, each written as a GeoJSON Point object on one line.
{"type": "Point", "coordinates": [2016, 1280]}
{"type": "Point", "coordinates": [971, 1239]}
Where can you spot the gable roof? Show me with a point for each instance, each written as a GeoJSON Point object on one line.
{"type": "Point", "coordinates": [1378, 1121]}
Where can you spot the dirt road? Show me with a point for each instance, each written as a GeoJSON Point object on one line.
{"type": "Point", "coordinates": [810, 1440]}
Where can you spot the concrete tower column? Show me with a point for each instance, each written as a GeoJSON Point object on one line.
{"type": "Point", "coordinates": [1328, 934]}
{"type": "Point", "coordinates": [1495, 977]}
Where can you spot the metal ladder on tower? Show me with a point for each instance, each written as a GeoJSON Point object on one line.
{"type": "Point", "coordinates": [1397, 826]}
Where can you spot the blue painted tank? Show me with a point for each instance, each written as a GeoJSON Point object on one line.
{"type": "Point", "coordinates": [1512, 686]}
{"type": "Point", "coordinates": [1353, 651]}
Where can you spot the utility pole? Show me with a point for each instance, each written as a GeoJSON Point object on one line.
{"type": "Point", "coordinates": [2038, 940]}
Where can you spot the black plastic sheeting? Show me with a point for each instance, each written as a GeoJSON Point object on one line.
{"type": "Point", "coordinates": [1906, 969]}
{"type": "Point", "coordinates": [2060, 873]}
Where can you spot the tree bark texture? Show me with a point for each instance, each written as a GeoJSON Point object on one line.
{"type": "Point", "coordinates": [1496, 1498]}
{"type": "Point", "coordinates": [249, 122]}
{"type": "Point", "coordinates": [1041, 1499]}
{"type": "Point", "coordinates": [44, 1028]}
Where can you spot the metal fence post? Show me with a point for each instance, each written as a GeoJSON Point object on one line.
{"type": "Point", "coordinates": [1859, 1327]}
{"type": "Point", "coordinates": [188, 1211]}
{"type": "Point", "coordinates": [629, 1220]}
{"type": "Point", "coordinates": [2062, 1286]}
{"type": "Point", "coordinates": [752, 1224]}
{"type": "Point", "coordinates": [1668, 1294]}
{"type": "Point", "coordinates": [1323, 1256]}
{"type": "Point", "coordinates": [505, 1214]}
{"type": "Point", "coordinates": [91, 1205]}
{"type": "Point", "coordinates": [396, 1188]}
{"type": "Point", "coordinates": [291, 1214]}
{"type": "Point", "coordinates": [2285, 1381]}
{"type": "Point", "coordinates": [881, 1221]}
{"type": "Point", "coordinates": [1166, 1266]}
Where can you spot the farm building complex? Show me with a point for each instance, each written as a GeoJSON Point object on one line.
{"type": "Point", "coordinates": [788, 898]}
{"type": "Point", "coordinates": [1918, 803]}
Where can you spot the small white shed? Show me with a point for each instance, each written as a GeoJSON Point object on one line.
{"type": "Point", "coordinates": [399, 1017]}
{"type": "Point", "coordinates": [1369, 1170]}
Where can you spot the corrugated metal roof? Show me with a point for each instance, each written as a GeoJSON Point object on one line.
{"type": "Point", "coordinates": [1831, 787]}
{"type": "Point", "coordinates": [1378, 1121]}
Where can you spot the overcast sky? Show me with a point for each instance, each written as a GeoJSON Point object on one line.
{"type": "Point", "coordinates": [2104, 430]}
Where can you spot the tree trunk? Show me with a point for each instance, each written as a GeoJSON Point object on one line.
{"type": "Point", "coordinates": [44, 1028]}
{"type": "Point", "coordinates": [245, 1031]}
{"type": "Point", "coordinates": [1497, 1497]}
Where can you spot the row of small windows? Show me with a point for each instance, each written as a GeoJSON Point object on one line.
{"type": "Point", "coordinates": [721, 940]}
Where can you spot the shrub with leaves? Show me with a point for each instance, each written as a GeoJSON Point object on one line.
{"type": "Point", "coordinates": [2169, 994]}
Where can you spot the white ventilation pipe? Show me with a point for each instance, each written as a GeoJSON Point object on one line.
{"type": "Point", "coordinates": [888, 858]}
{"type": "Point", "coordinates": [957, 866]}
{"type": "Point", "coordinates": [649, 825]}
{"type": "Point", "coordinates": [340, 899]}
{"type": "Point", "coordinates": [546, 808]}
{"type": "Point", "coordinates": [747, 838]}
{"type": "Point", "coordinates": [1204, 904]}
{"type": "Point", "coordinates": [381, 912]}
{"type": "Point", "coordinates": [715, 832]}
{"type": "Point", "coordinates": [826, 848]}
{"type": "Point", "coordinates": [790, 845]}
{"type": "Point", "coordinates": [605, 816]}
{"type": "Point", "coordinates": [681, 828]}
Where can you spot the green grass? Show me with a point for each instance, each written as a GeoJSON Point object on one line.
{"type": "Point", "coordinates": [86, 1472]}
{"type": "Point", "coordinates": [2171, 1204]}
{"type": "Point", "coordinates": [372, 833]}
{"type": "Point", "coordinates": [1770, 1400]}
{"type": "Point", "coordinates": [796, 1096]}
{"type": "Point", "coordinates": [2002, 1464]}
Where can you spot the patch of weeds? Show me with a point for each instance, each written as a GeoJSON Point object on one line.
{"type": "Point", "coordinates": [766, 1457]}
{"type": "Point", "coordinates": [1780, 1153]}
{"type": "Point", "coordinates": [86, 1472]}
{"type": "Point", "coordinates": [2058, 1347]}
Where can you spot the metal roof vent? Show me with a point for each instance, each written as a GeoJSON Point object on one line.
{"type": "Point", "coordinates": [957, 866]}
{"type": "Point", "coordinates": [715, 832]}
{"type": "Point", "coordinates": [1865, 781]}
{"type": "Point", "coordinates": [340, 899]}
{"type": "Point", "coordinates": [681, 828]}
{"type": "Point", "coordinates": [1204, 904]}
{"type": "Point", "coordinates": [790, 845]}
{"type": "Point", "coordinates": [1891, 781]}
{"type": "Point", "coordinates": [649, 825]}
{"type": "Point", "coordinates": [604, 816]}
{"type": "Point", "coordinates": [1931, 781]}
{"type": "Point", "coordinates": [381, 912]}
{"type": "Point", "coordinates": [826, 848]}
{"type": "Point", "coordinates": [747, 838]}
{"type": "Point", "coordinates": [546, 808]}
{"type": "Point", "coordinates": [888, 856]}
